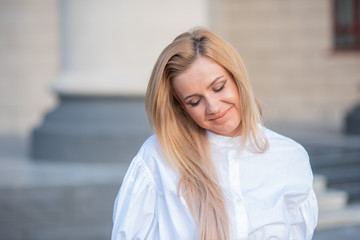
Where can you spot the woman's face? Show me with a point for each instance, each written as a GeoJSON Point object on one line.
{"type": "Point", "coordinates": [209, 95]}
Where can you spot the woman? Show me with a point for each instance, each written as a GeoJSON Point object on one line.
{"type": "Point", "coordinates": [212, 171]}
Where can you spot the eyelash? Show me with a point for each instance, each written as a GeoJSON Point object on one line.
{"type": "Point", "coordinates": [215, 90]}
{"type": "Point", "coordinates": [194, 104]}
{"type": "Point", "coordinates": [220, 88]}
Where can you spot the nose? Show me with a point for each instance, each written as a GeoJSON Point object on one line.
{"type": "Point", "coordinates": [212, 106]}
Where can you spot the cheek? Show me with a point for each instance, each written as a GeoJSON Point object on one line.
{"type": "Point", "coordinates": [233, 92]}
{"type": "Point", "coordinates": [195, 114]}
{"type": "Point", "coordinates": [237, 99]}
{"type": "Point", "coordinates": [234, 95]}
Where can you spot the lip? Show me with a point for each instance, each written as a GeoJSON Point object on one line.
{"type": "Point", "coordinates": [221, 116]}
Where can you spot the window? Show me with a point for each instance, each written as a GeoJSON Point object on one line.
{"type": "Point", "coordinates": [347, 24]}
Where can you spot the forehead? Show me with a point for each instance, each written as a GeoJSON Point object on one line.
{"type": "Point", "coordinates": [202, 67]}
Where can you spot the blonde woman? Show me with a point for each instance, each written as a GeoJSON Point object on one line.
{"type": "Point", "coordinates": [212, 170]}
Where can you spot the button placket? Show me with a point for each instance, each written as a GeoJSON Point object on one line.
{"type": "Point", "coordinates": [241, 225]}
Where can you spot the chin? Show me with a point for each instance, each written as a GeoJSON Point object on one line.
{"type": "Point", "coordinates": [232, 132]}
{"type": "Point", "coordinates": [229, 133]}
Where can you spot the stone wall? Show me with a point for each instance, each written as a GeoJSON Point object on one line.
{"type": "Point", "coordinates": [102, 47]}
{"type": "Point", "coordinates": [28, 61]}
{"type": "Point", "coordinates": [287, 48]}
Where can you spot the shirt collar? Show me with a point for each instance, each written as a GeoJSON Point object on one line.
{"type": "Point", "coordinates": [224, 141]}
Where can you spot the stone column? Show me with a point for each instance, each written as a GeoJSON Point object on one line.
{"type": "Point", "coordinates": [108, 49]}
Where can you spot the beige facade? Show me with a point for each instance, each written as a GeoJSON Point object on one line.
{"type": "Point", "coordinates": [28, 61]}
{"type": "Point", "coordinates": [288, 50]}
{"type": "Point", "coordinates": [286, 46]}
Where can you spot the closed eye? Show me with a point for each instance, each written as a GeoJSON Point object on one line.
{"type": "Point", "coordinates": [194, 103]}
{"type": "Point", "coordinates": [222, 86]}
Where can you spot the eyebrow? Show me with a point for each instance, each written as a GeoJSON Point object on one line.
{"type": "Point", "coordinates": [210, 85]}
{"type": "Point", "coordinates": [215, 80]}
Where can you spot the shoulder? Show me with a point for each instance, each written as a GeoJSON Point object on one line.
{"type": "Point", "coordinates": [139, 176]}
{"type": "Point", "coordinates": [150, 146]}
{"type": "Point", "coordinates": [153, 164]}
{"type": "Point", "coordinates": [150, 153]}
{"type": "Point", "coordinates": [135, 207]}
{"type": "Point", "coordinates": [281, 143]}
{"type": "Point", "coordinates": [288, 157]}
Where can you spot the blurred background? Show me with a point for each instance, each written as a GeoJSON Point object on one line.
{"type": "Point", "coordinates": [73, 75]}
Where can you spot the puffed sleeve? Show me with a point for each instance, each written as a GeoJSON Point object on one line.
{"type": "Point", "coordinates": [134, 214]}
{"type": "Point", "coordinates": [304, 219]}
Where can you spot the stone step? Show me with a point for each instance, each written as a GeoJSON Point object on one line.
{"type": "Point", "coordinates": [65, 212]}
{"type": "Point", "coordinates": [347, 145]}
{"type": "Point", "coordinates": [343, 174]}
{"type": "Point", "coordinates": [340, 165]}
{"type": "Point", "coordinates": [92, 129]}
{"type": "Point", "coordinates": [338, 218]}
{"type": "Point", "coordinates": [71, 232]}
{"type": "Point", "coordinates": [328, 199]}
{"type": "Point", "coordinates": [350, 232]}
{"type": "Point", "coordinates": [337, 159]}
{"type": "Point", "coordinates": [332, 199]}
{"type": "Point", "coordinates": [319, 183]}
{"type": "Point", "coordinates": [344, 179]}
{"type": "Point", "coordinates": [353, 189]}
{"type": "Point", "coordinates": [53, 201]}
{"type": "Point", "coordinates": [54, 213]}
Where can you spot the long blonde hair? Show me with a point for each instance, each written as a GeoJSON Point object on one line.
{"type": "Point", "coordinates": [183, 142]}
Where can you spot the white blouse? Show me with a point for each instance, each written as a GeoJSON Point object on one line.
{"type": "Point", "coordinates": [269, 195]}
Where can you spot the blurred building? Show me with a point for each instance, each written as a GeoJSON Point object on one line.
{"type": "Point", "coordinates": [29, 60]}
{"type": "Point", "coordinates": [300, 75]}
{"type": "Point", "coordinates": [303, 59]}
{"type": "Point", "coordinates": [289, 47]}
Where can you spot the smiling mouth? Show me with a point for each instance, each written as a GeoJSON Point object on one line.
{"type": "Point", "coordinates": [218, 117]}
